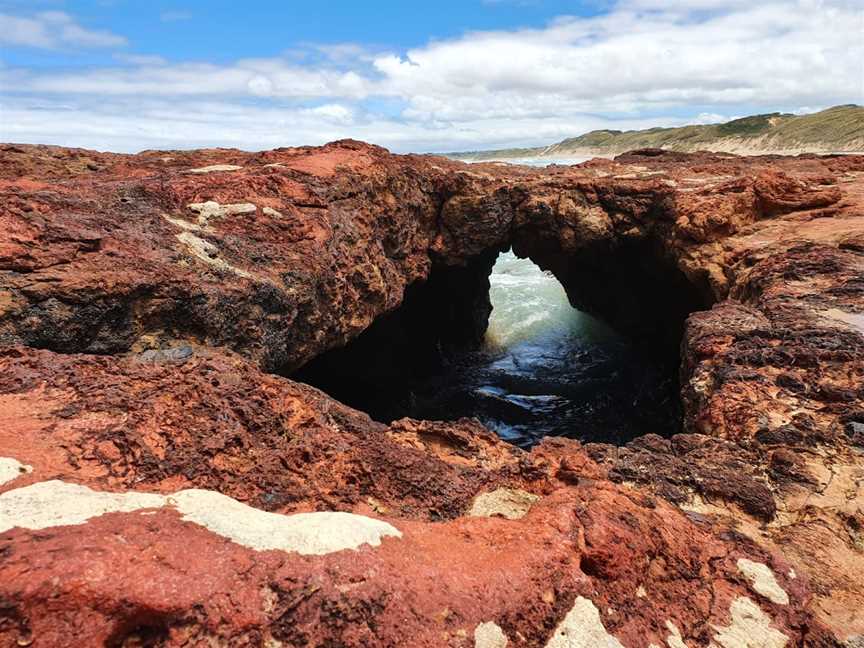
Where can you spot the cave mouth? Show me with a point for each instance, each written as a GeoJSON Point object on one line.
{"type": "Point", "coordinates": [499, 340]}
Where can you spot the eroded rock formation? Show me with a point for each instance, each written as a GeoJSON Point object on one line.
{"type": "Point", "coordinates": [161, 485]}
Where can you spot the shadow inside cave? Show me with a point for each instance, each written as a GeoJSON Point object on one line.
{"type": "Point", "coordinates": [538, 366]}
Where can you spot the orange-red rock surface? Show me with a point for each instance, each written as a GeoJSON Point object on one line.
{"type": "Point", "coordinates": [159, 485]}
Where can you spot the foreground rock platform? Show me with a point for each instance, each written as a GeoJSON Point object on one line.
{"type": "Point", "coordinates": [161, 485]}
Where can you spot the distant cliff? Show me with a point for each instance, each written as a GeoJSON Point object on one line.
{"type": "Point", "coordinates": [837, 129]}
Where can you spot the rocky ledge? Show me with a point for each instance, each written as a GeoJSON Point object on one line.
{"type": "Point", "coordinates": [164, 482]}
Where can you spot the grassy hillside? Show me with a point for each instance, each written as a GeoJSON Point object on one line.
{"type": "Point", "coordinates": [838, 129]}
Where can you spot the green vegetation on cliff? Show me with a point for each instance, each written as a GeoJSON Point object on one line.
{"type": "Point", "coordinates": [838, 129]}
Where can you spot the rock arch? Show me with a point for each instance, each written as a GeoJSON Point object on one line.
{"type": "Point", "coordinates": [135, 330]}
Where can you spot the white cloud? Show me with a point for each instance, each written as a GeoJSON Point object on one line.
{"type": "Point", "coordinates": [528, 86]}
{"type": "Point", "coordinates": [53, 30]}
{"type": "Point", "coordinates": [762, 53]}
{"type": "Point", "coordinates": [128, 124]}
{"type": "Point", "coordinates": [333, 112]}
{"type": "Point", "coordinates": [260, 85]}
{"type": "Point", "coordinates": [710, 118]}
{"type": "Point", "coordinates": [807, 110]}
{"type": "Point", "coordinates": [260, 77]}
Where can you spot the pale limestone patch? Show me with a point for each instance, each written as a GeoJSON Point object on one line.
{"type": "Point", "coordinates": [55, 503]}
{"type": "Point", "coordinates": [856, 320]}
{"type": "Point", "coordinates": [199, 247]}
{"type": "Point", "coordinates": [674, 639]}
{"type": "Point", "coordinates": [206, 210]}
{"type": "Point", "coordinates": [582, 628]}
{"type": "Point", "coordinates": [762, 580]}
{"type": "Point", "coordinates": [750, 628]}
{"type": "Point", "coordinates": [510, 503]}
{"type": "Point", "coordinates": [212, 209]}
{"type": "Point", "coordinates": [12, 469]}
{"type": "Point", "coordinates": [269, 211]}
{"type": "Point", "coordinates": [489, 635]}
{"type": "Point", "coordinates": [208, 253]}
{"type": "Point", "coordinates": [304, 533]}
{"type": "Point", "coordinates": [179, 222]}
{"type": "Point", "coordinates": [239, 208]}
{"type": "Point", "coordinates": [213, 168]}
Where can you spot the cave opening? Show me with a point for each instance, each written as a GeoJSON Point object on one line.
{"type": "Point", "coordinates": [501, 340]}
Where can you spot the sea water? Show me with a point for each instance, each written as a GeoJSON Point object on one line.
{"type": "Point", "coordinates": [548, 369]}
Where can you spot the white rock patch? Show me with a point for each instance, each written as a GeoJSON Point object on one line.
{"type": "Point", "coordinates": [56, 503]}
{"type": "Point", "coordinates": [674, 639]}
{"type": "Point", "coordinates": [208, 253]}
{"type": "Point", "coordinates": [856, 320]}
{"type": "Point", "coordinates": [305, 533]}
{"type": "Point", "coordinates": [212, 209]}
{"type": "Point", "coordinates": [179, 222]}
{"type": "Point", "coordinates": [213, 168]}
{"type": "Point", "coordinates": [489, 635]}
{"type": "Point", "coordinates": [12, 469]}
{"type": "Point", "coordinates": [201, 248]}
{"type": "Point", "coordinates": [750, 628]}
{"type": "Point", "coordinates": [505, 502]}
{"type": "Point", "coordinates": [582, 628]}
{"type": "Point", "coordinates": [763, 581]}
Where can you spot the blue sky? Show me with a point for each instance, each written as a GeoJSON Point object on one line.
{"type": "Point", "coordinates": [124, 75]}
{"type": "Point", "coordinates": [224, 30]}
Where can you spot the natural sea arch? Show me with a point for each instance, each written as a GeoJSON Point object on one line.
{"type": "Point", "coordinates": [502, 343]}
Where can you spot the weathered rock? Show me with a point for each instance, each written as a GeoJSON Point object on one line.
{"type": "Point", "coordinates": [192, 274]}
{"type": "Point", "coordinates": [85, 565]}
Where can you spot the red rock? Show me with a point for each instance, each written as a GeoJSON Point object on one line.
{"type": "Point", "coordinates": [100, 254]}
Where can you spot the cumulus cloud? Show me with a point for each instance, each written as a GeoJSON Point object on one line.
{"type": "Point", "coordinates": [53, 30]}
{"type": "Point", "coordinates": [334, 112]}
{"type": "Point", "coordinates": [261, 77]}
{"type": "Point", "coordinates": [128, 125]}
{"type": "Point", "coordinates": [527, 86]}
{"type": "Point", "coordinates": [760, 53]}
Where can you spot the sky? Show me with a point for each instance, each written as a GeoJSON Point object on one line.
{"type": "Point", "coordinates": [126, 75]}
